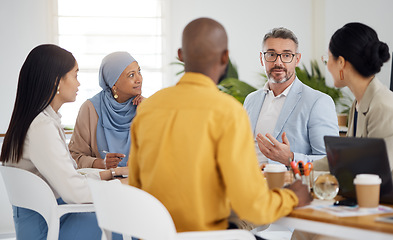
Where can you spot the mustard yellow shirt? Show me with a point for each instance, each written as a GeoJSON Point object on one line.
{"type": "Point", "coordinates": [192, 148]}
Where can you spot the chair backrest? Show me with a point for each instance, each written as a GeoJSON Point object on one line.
{"type": "Point", "coordinates": [128, 210]}
{"type": "Point", "coordinates": [27, 190]}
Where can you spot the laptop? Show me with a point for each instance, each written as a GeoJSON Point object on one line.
{"type": "Point", "coordinates": [348, 156]}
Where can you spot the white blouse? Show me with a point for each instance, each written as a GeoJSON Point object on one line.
{"type": "Point", "coordinates": [270, 111]}
{"type": "Point", "coordinates": [46, 154]}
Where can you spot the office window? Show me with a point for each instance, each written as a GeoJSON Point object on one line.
{"type": "Point", "coordinates": [91, 29]}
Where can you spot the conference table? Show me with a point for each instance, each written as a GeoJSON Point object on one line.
{"type": "Point", "coordinates": [359, 227]}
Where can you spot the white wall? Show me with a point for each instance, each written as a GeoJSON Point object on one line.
{"type": "Point", "coordinates": [246, 22]}
{"type": "Point", "coordinates": [24, 24]}
{"type": "Point", "coordinates": [377, 14]}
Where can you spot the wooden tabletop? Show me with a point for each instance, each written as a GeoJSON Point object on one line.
{"type": "Point", "coordinates": [364, 222]}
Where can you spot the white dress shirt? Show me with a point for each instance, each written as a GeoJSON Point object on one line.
{"type": "Point", "coordinates": [46, 154]}
{"type": "Point", "coordinates": [271, 109]}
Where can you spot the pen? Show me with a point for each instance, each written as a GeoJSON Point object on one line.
{"type": "Point", "coordinates": [308, 168]}
{"type": "Point", "coordinates": [301, 169]}
{"type": "Point", "coordinates": [106, 152]}
{"type": "Point", "coordinates": [105, 157]}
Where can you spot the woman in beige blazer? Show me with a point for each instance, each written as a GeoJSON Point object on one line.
{"type": "Point", "coordinates": [355, 56]}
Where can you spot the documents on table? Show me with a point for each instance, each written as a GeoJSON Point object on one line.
{"type": "Point", "coordinates": [345, 211]}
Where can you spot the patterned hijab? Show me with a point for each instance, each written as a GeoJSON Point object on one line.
{"type": "Point", "coordinates": [114, 119]}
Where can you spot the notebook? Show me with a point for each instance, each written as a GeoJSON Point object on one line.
{"type": "Point", "coordinates": [348, 156]}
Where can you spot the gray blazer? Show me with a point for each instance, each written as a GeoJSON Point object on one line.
{"type": "Point", "coordinates": [306, 116]}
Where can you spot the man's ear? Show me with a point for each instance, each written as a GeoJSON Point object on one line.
{"type": "Point", "coordinates": [180, 54]}
{"type": "Point", "coordinates": [261, 58]}
{"type": "Point", "coordinates": [298, 56]}
{"type": "Point", "coordinates": [225, 57]}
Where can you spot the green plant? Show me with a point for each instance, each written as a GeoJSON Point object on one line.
{"type": "Point", "coordinates": [231, 84]}
{"type": "Point", "coordinates": [178, 62]}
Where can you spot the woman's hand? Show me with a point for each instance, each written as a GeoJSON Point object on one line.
{"type": "Point", "coordinates": [99, 163]}
{"type": "Point", "coordinates": [122, 171]}
{"type": "Point", "coordinates": [108, 175]}
{"type": "Point", "coordinates": [138, 99]}
{"type": "Point", "coordinates": [112, 159]}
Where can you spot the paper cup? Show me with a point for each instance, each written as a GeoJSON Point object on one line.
{"type": "Point", "coordinates": [367, 190]}
{"type": "Point", "coordinates": [275, 175]}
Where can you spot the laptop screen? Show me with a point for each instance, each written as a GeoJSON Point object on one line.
{"type": "Point", "coordinates": [348, 156]}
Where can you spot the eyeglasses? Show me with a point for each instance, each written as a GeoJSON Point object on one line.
{"type": "Point", "coordinates": [325, 59]}
{"type": "Point", "coordinates": [272, 57]}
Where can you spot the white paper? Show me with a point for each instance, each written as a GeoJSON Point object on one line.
{"type": "Point", "coordinates": [345, 211]}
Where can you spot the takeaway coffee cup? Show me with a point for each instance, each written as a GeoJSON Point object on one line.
{"type": "Point", "coordinates": [275, 175]}
{"type": "Point", "coordinates": [367, 190]}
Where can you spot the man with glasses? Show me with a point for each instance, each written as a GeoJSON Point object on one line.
{"type": "Point", "coordinates": [288, 118]}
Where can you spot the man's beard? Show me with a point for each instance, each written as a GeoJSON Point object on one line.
{"type": "Point", "coordinates": [286, 77]}
{"type": "Point", "coordinates": [224, 75]}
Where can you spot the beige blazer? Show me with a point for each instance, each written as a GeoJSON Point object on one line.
{"type": "Point", "coordinates": [83, 143]}
{"type": "Point", "coordinates": [375, 119]}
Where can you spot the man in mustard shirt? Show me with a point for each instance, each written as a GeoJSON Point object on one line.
{"type": "Point", "coordinates": [192, 146]}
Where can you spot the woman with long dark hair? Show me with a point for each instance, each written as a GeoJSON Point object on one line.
{"type": "Point", "coordinates": [35, 141]}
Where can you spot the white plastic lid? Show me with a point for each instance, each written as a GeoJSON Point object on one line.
{"type": "Point", "coordinates": [275, 168]}
{"type": "Point", "coordinates": [367, 179]}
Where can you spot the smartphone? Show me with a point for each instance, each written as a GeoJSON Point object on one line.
{"type": "Point", "coordinates": [346, 202]}
{"type": "Point", "coordinates": [120, 176]}
{"type": "Point", "coordinates": [387, 219]}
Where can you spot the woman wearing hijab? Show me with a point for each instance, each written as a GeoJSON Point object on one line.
{"type": "Point", "coordinates": [101, 137]}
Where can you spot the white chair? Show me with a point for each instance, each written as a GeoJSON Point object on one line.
{"type": "Point", "coordinates": [27, 190]}
{"type": "Point", "coordinates": [133, 212]}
